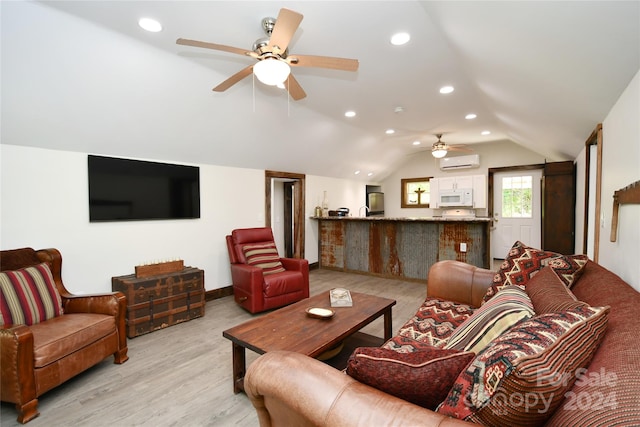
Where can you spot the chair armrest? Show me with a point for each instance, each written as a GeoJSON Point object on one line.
{"type": "Point", "coordinates": [247, 277]}
{"type": "Point", "coordinates": [18, 383]}
{"type": "Point", "coordinates": [288, 388]}
{"type": "Point", "coordinates": [295, 264]}
{"type": "Point", "coordinates": [460, 282]}
{"type": "Point", "coordinates": [110, 303]}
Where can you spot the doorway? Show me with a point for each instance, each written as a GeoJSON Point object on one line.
{"type": "Point", "coordinates": [290, 228]}
{"type": "Point", "coordinates": [516, 208]}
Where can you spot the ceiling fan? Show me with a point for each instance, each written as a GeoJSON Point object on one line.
{"type": "Point", "coordinates": [440, 149]}
{"type": "Point", "coordinates": [272, 54]}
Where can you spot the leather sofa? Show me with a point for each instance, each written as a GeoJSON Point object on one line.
{"type": "Point", "coordinates": [291, 389]}
{"type": "Point", "coordinates": [39, 357]}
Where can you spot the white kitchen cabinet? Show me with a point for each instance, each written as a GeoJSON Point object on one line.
{"type": "Point", "coordinates": [455, 183]}
{"type": "Point", "coordinates": [479, 192]}
{"type": "Point", "coordinates": [434, 192]}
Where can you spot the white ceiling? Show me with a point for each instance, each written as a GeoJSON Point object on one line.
{"type": "Point", "coordinates": [82, 76]}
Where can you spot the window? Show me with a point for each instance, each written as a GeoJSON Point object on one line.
{"type": "Point", "coordinates": [517, 193]}
{"type": "Point", "coordinates": [415, 192]}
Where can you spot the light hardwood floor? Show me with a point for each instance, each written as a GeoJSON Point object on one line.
{"type": "Point", "coordinates": [181, 375]}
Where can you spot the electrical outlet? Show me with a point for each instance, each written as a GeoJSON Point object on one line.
{"type": "Point", "coordinates": [463, 247]}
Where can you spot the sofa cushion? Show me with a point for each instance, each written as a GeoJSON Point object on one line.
{"type": "Point", "coordinates": [505, 309]}
{"type": "Point", "coordinates": [524, 375]}
{"type": "Point", "coordinates": [435, 321]}
{"type": "Point", "coordinates": [423, 377]}
{"type": "Point", "coordinates": [549, 294]}
{"type": "Point", "coordinates": [63, 335]}
{"type": "Point", "coordinates": [28, 296]}
{"type": "Point", "coordinates": [265, 256]}
{"type": "Point", "coordinates": [523, 262]}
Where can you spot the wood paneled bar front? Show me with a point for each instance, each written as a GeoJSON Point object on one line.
{"type": "Point", "coordinates": [403, 248]}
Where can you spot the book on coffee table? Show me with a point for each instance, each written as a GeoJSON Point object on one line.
{"type": "Point", "coordinates": [340, 297]}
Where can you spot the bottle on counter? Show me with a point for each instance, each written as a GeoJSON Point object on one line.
{"type": "Point", "coordinates": [325, 205]}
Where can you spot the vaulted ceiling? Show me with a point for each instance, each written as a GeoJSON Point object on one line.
{"type": "Point", "coordinates": [82, 76]}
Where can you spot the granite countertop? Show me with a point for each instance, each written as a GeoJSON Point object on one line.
{"type": "Point", "coordinates": [405, 219]}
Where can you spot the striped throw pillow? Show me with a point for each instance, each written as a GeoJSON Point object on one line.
{"type": "Point", "coordinates": [29, 296]}
{"type": "Point", "coordinates": [523, 376]}
{"type": "Point", "coordinates": [265, 256]}
{"type": "Point", "coordinates": [505, 309]}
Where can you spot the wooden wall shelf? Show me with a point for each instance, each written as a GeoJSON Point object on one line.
{"type": "Point", "coordinates": [627, 195]}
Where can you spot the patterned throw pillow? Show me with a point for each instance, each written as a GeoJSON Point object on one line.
{"type": "Point", "coordinates": [505, 309]}
{"type": "Point", "coordinates": [265, 256]}
{"type": "Point", "coordinates": [522, 377]}
{"type": "Point", "coordinates": [523, 262]}
{"type": "Point", "coordinates": [423, 377]}
{"type": "Point", "coordinates": [435, 321]}
{"type": "Point", "coordinates": [28, 296]}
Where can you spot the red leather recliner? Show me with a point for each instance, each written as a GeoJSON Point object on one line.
{"type": "Point", "coordinates": [255, 291]}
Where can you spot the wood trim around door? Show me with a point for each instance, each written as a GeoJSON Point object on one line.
{"type": "Point", "coordinates": [298, 206]}
{"type": "Point", "coordinates": [594, 139]}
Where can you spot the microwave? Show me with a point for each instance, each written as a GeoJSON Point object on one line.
{"type": "Point", "coordinates": [456, 198]}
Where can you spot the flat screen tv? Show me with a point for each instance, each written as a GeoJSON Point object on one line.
{"type": "Point", "coordinates": [128, 190]}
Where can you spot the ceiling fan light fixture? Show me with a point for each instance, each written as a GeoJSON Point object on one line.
{"type": "Point", "coordinates": [272, 71]}
{"type": "Point", "coordinates": [439, 153]}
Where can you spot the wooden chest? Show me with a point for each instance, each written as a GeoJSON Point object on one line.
{"type": "Point", "coordinates": [156, 302]}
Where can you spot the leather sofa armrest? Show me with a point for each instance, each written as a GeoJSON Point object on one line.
{"type": "Point", "coordinates": [288, 388]}
{"type": "Point", "coordinates": [109, 303]}
{"type": "Point", "coordinates": [460, 282]}
{"type": "Point", "coordinates": [112, 304]}
{"type": "Point", "coordinates": [18, 383]}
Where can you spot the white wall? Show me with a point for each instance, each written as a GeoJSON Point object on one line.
{"type": "Point", "coordinates": [621, 167]}
{"type": "Point", "coordinates": [423, 164]}
{"type": "Point", "coordinates": [45, 204]}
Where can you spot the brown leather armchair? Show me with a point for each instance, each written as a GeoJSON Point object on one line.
{"type": "Point", "coordinates": [39, 357]}
{"type": "Point", "coordinates": [256, 291]}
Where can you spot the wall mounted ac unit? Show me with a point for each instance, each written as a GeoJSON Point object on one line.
{"type": "Point", "coordinates": [460, 162]}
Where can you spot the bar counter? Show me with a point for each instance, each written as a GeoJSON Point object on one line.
{"type": "Point", "coordinates": [402, 248]}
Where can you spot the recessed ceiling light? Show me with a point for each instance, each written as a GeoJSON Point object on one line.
{"type": "Point", "coordinates": [485, 132]}
{"type": "Point", "coordinates": [470, 116]}
{"type": "Point", "coordinates": [356, 173]}
{"type": "Point", "coordinates": [446, 89]}
{"type": "Point", "coordinates": [150, 25]}
{"type": "Point", "coordinates": [350, 114]}
{"type": "Point", "coordinates": [416, 142]}
{"type": "Point", "coordinates": [399, 39]}
{"type": "Point", "coordinates": [370, 173]}
{"type": "Point", "coordinates": [389, 131]}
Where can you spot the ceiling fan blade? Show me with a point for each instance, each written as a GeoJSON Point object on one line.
{"type": "Point", "coordinates": [294, 88]}
{"type": "Point", "coordinates": [286, 25]}
{"type": "Point", "coordinates": [459, 147]}
{"type": "Point", "coordinates": [234, 79]}
{"type": "Point", "coordinates": [343, 64]}
{"type": "Point", "coordinates": [215, 46]}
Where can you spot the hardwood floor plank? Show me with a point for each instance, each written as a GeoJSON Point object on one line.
{"type": "Point", "coordinates": [181, 375]}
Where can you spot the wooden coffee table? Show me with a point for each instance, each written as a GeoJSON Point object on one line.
{"type": "Point", "coordinates": [290, 328]}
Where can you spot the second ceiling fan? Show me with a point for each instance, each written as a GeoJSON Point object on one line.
{"type": "Point", "coordinates": [272, 54]}
{"type": "Point", "coordinates": [440, 149]}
